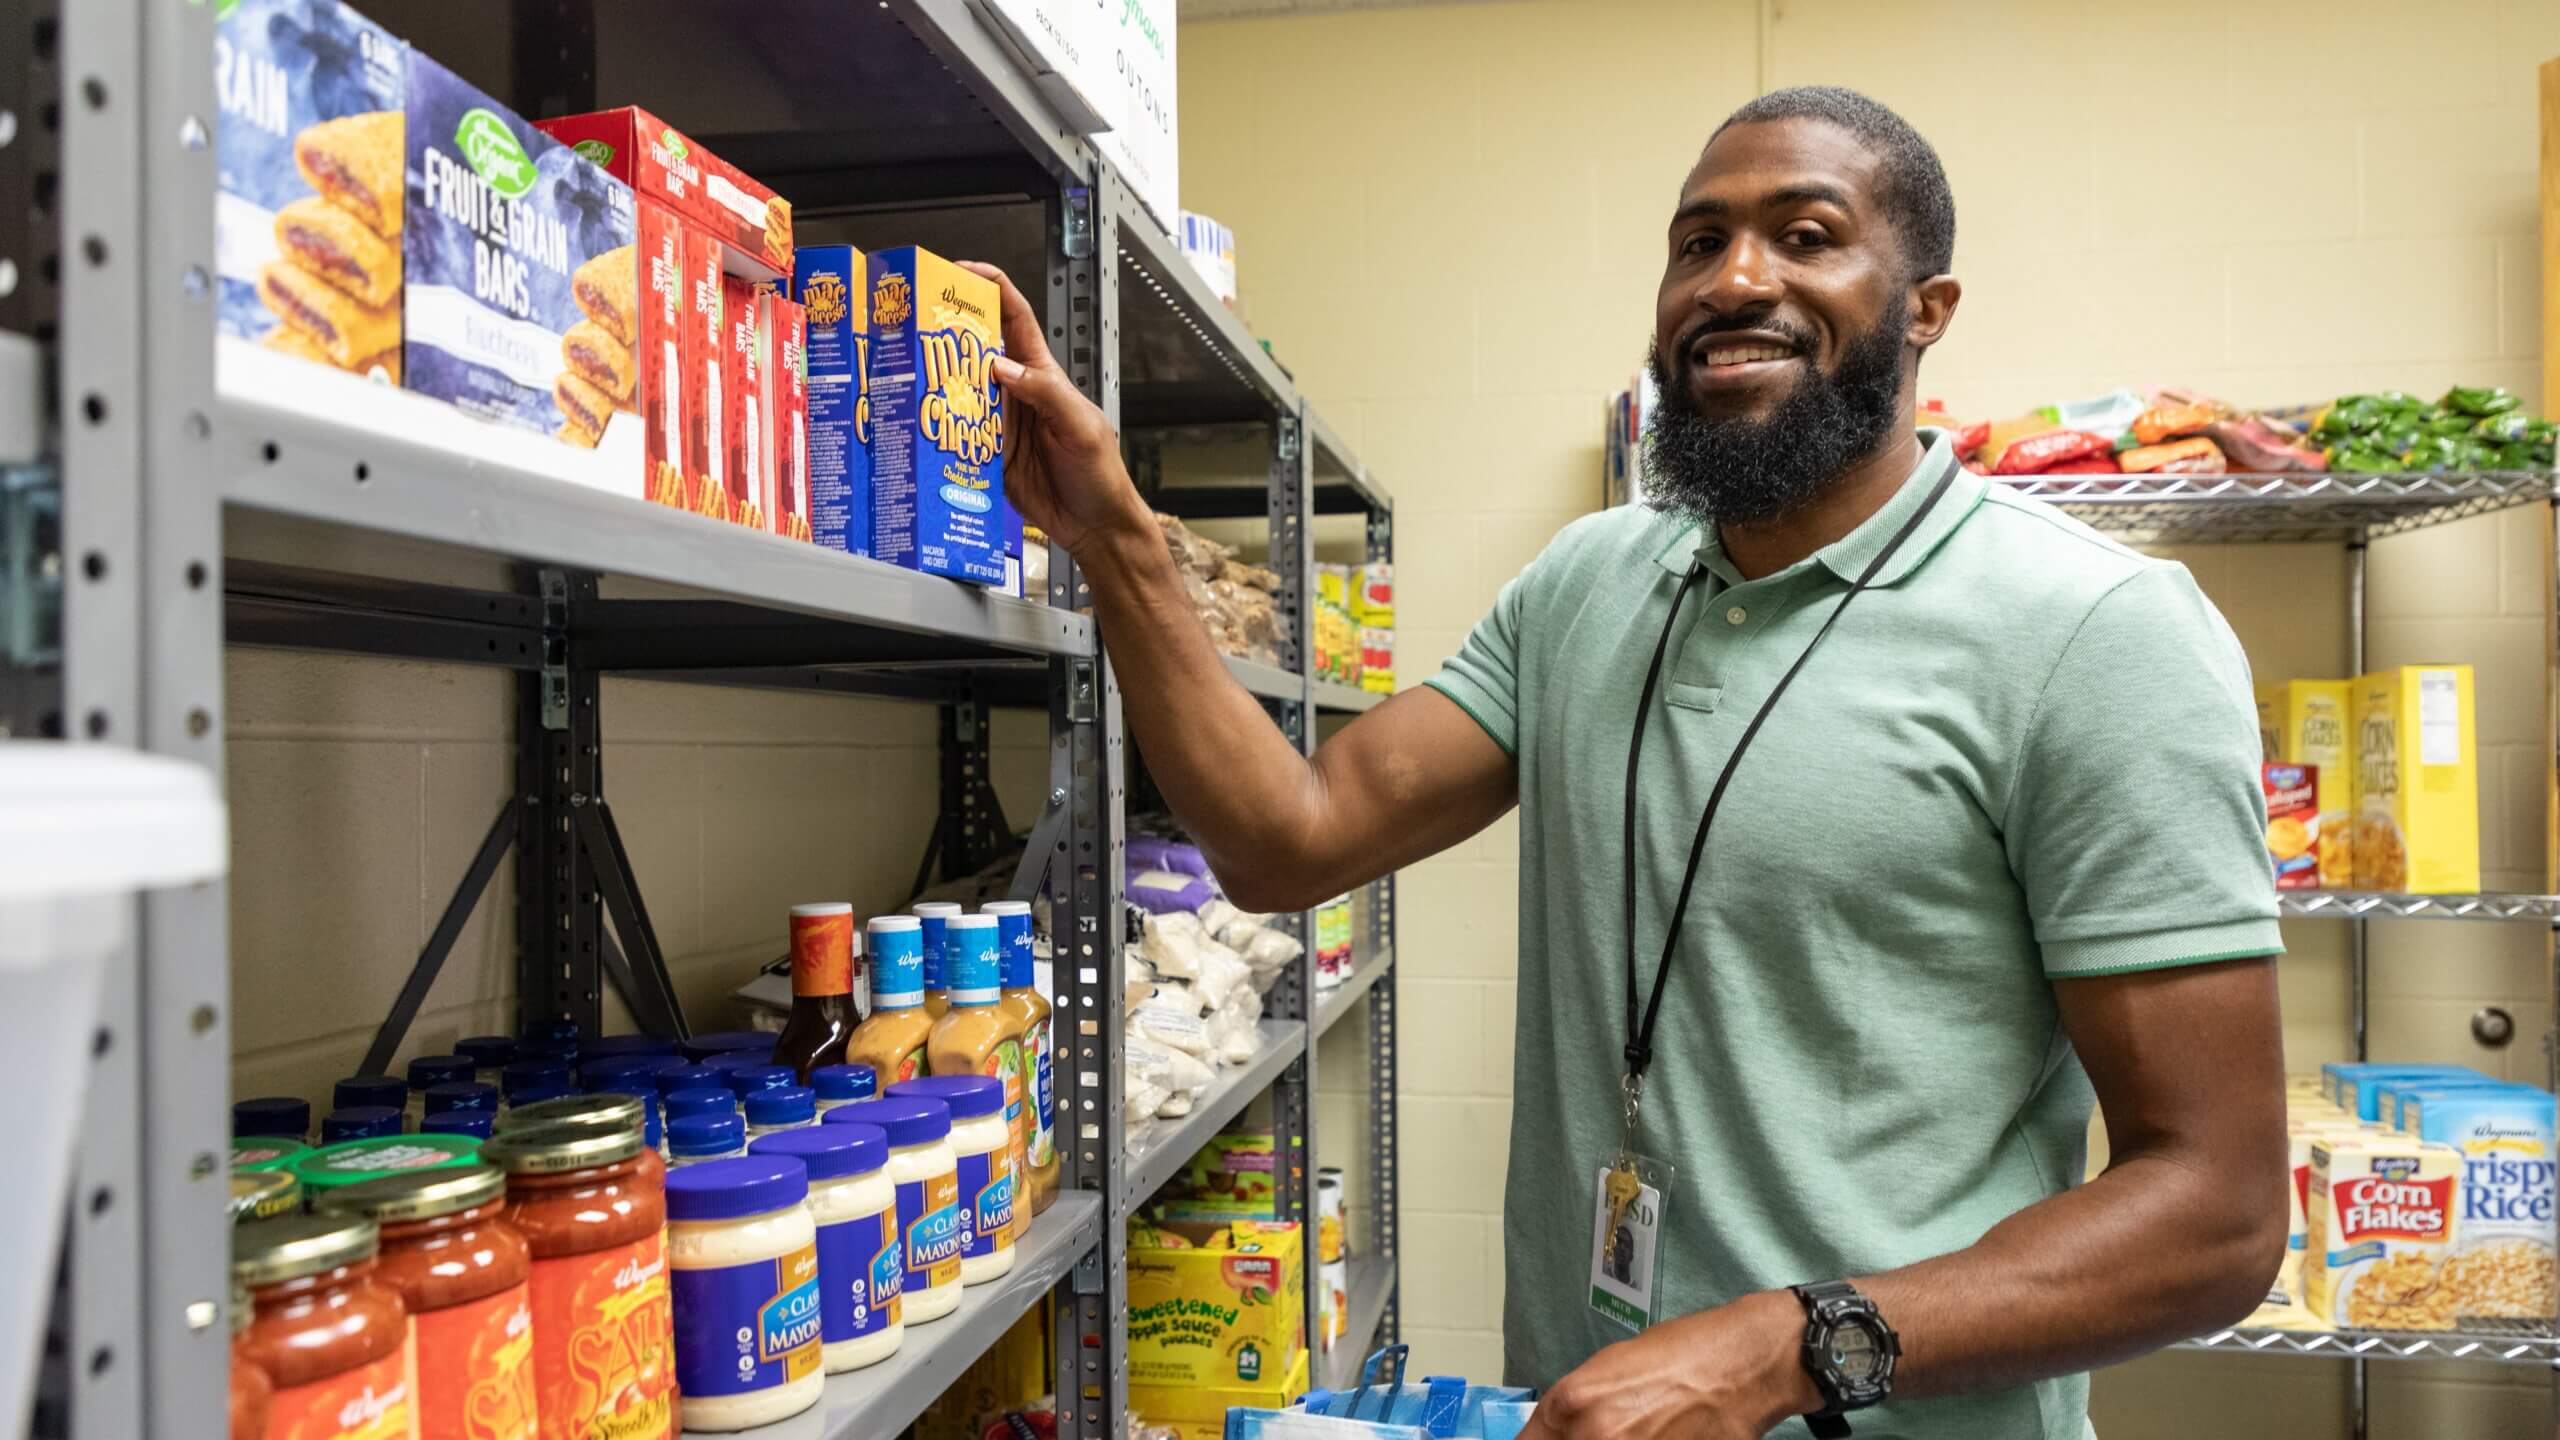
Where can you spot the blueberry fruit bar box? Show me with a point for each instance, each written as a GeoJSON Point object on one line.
{"type": "Point", "coordinates": [937, 459]}
{"type": "Point", "coordinates": [307, 214]}
{"type": "Point", "coordinates": [523, 276]}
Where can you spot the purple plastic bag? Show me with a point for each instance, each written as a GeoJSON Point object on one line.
{"type": "Point", "coordinates": [1151, 852]}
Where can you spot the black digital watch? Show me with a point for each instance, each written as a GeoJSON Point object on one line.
{"type": "Point", "coordinates": [1848, 1350]}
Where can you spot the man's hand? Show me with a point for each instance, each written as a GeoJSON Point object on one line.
{"type": "Point", "coordinates": [1731, 1373]}
{"type": "Point", "coordinates": [1062, 465]}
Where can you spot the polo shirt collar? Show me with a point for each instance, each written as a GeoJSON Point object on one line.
{"type": "Point", "coordinates": [1688, 542]}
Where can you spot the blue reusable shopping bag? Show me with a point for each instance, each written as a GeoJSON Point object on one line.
{"type": "Point", "coordinates": [1384, 1407]}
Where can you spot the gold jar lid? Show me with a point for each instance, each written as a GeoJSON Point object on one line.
{"type": "Point", "coordinates": [555, 1149]}
{"type": "Point", "coordinates": [267, 1252]}
{"type": "Point", "coordinates": [263, 1194]}
{"type": "Point", "coordinates": [417, 1195]}
{"type": "Point", "coordinates": [608, 1109]}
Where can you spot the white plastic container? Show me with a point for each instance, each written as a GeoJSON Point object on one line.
{"type": "Point", "coordinates": [861, 1262]}
{"type": "Point", "coordinates": [83, 830]}
{"type": "Point", "coordinates": [742, 1263]}
{"type": "Point", "coordinates": [925, 1170]}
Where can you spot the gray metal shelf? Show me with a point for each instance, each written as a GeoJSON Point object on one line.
{"type": "Point", "coordinates": [1268, 681]}
{"type": "Point", "coordinates": [1333, 1004]}
{"type": "Point", "coordinates": [1373, 1283]}
{"type": "Point", "coordinates": [2513, 1342]}
{"type": "Point", "coordinates": [1283, 1041]}
{"type": "Point", "coordinates": [1189, 360]}
{"type": "Point", "coordinates": [2378, 905]}
{"type": "Point", "coordinates": [1346, 699]}
{"type": "Point", "coordinates": [1337, 466]}
{"type": "Point", "coordinates": [2306, 506]}
{"type": "Point", "coordinates": [885, 1398]}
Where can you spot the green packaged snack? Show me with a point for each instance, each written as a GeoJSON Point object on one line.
{"type": "Point", "coordinates": [2362, 458]}
{"type": "Point", "coordinates": [266, 1152]}
{"type": "Point", "coordinates": [352, 1162]}
{"type": "Point", "coordinates": [2452, 423]}
{"type": "Point", "coordinates": [2505, 428]}
{"type": "Point", "coordinates": [2480, 399]}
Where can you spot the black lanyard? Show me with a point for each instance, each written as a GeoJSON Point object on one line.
{"type": "Point", "coordinates": [1639, 1053]}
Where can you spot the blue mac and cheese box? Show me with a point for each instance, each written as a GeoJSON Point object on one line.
{"type": "Point", "coordinates": [522, 259]}
{"type": "Point", "coordinates": [937, 440]}
{"type": "Point", "coordinates": [307, 206]}
{"type": "Point", "coordinates": [832, 284]}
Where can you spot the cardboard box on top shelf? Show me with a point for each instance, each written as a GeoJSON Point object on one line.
{"type": "Point", "coordinates": [784, 327]}
{"type": "Point", "coordinates": [663, 163]}
{"type": "Point", "coordinates": [703, 351]}
{"type": "Point", "coordinates": [2417, 790]}
{"type": "Point", "coordinates": [742, 436]}
{"type": "Point", "coordinates": [2307, 722]}
{"type": "Point", "coordinates": [937, 452]}
{"type": "Point", "coordinates": [308, 192]}
{"type": "Point", "coordinates": [832, 284]}
{"type": "Point", "coordinates": [522, 272]}
{"type": "Point", "coordinates": [1199, 1412]}
{"type": "Point", "coordinates": [1225, 1307]}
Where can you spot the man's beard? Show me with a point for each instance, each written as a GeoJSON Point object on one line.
{"type": "Point", "coordinates": [1738, 470]}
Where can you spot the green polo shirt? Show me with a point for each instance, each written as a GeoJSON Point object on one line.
{"type": "Point", "coordinates": [2027, 753]}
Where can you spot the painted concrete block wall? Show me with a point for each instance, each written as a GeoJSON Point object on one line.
{"type": "Point", "coordinates": [1449, 224]}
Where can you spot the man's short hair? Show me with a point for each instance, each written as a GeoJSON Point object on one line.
{"type": "Point", "coordinates": [1914, 186]}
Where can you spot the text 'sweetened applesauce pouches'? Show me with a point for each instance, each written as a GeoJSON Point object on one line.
{"type": "Point", "coordinates": [307, 206]}
{"type": "Point", "coordinates": [522, 271]}
{"type": "Point", "coordinates": [938, 449]}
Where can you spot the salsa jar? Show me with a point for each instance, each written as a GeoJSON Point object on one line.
{"type": "Point", "coordinates": [464, 1273]}
{"type": "Point", "coordinates": [331, 1337]}
{"type": "Point", "coordinates": [250, 1387]}
{"type": "Point", "coordinates": [591, 1203]}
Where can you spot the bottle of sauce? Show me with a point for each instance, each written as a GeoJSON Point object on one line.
{"type": "Point", "coordinates": [1023, 1001]}
{"type": "Point", "coordinates": [332, 1339]}
{"type": "Point", "coordinates": [936, 915]}
{"type": "Point", "coordinates": [464, 1273]}
{"type": "Point", "coordinates": [892, 1040]}
{"type": "Point", "coordinates": [822, 1013]}
{"type": "Point", "coordinates": [977, 1037]}
{"type": "Point", "coordinates": [591, 1203]}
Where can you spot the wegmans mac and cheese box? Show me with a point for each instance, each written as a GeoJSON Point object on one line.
{"type": "Point", "coordinates": [2305, 722]}
{"type": "Point", "coordinates": [2378, 1226]}
{"type": "Point", "coordinates": [832, 287]}
{"type": "Point", "coordinates": [937, 450]}
{"type": "Point", "coordinates": [2417, 826]}
{"type": "Point", "coordinates": [2503, 1263]}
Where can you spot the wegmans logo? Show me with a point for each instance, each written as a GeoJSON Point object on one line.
{"type": "Point", "coordinates": [493, 153]}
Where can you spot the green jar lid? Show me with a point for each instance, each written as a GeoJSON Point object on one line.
{"type": "Point", "coordinates": [263, 1194]}
{"type": "Point", "coordinates": [266, 1152]}
{"type": "Point", "coordinates": [352, 1162]}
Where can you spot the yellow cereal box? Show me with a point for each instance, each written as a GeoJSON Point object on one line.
{"type": "Point", "coordinates": [2304, 722]}
{"type": "Point", "coordinates": [1229, 1308]}
{"type": "Point", "coordinates": [2378, 1222]}
{"type": "Point", "coordinates": [1199, 1412]}
{"type": "Point", "coordinates": [2417, 791]}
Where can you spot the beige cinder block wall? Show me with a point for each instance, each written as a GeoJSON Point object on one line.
{"type": "Point", "coordinates": [1449, 223]}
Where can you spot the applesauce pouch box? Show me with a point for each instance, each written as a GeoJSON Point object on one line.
{"type": "Point", "coordinates": [1229, 1307]}
{"type": "Point", "coordinates": [742, 438]}
{"type": "Point", "coordinates": [937, 449]}
{"type": "Point", "coordinates": [2417, 801]}
{"type": "Point", "coordinates": [308, 196]}
{"type": "Point", "coordinates": [2306, 722]}
{"type": "Point", "coordinates": [703, 351]}
{"type": "Point", "coordinates": [522, 267]}
{"type": "Point", "coordinates": [785, 329]}
{"type": "Point", "coordinates": [831, 283]}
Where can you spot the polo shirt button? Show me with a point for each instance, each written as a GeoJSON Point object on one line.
{"type": "Point", "coordinates": [1736, 615]}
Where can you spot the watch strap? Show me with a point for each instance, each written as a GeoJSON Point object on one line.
{"type": "Point", "coordinates": [1827, 1425]}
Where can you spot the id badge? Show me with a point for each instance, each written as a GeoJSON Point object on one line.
{"type": "Point", "coordinates": [1626, 1234]}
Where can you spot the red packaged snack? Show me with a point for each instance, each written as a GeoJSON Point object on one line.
{"type": "Point", "coordinates": [658, 352]}
{"type": "Point", "coordinates": [2197, 456]}
{"type": "Point", "coordinates": [2085, 465]}
{"type": "Point", "coordinates": [2039, 453]}
{"type": "Point", "coordinates": [745, 215]}
{"type": "Point", "coordinates": [786, 337]}
{"type": "Point", "coordinates": [2293, 824]}
{"type": "Point", "coordinates": [704, 354]}
{"type": "Point", "coordinates": [1970, 438]}
{"type": "Point", "coordinates": [2165, 422]}
{"type": "Point", "coordinates": [742, 414]}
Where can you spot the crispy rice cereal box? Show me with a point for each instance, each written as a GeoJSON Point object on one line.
{"type": "Point", "coordinates": [2378, 1227]}
{"type": "Point", "coordinates": [2304, 722]}
{"type": "Point", "coordinates": [2502, 1266]}
{"type": "Point", "coordinates": [2417, 791]}
{"type": "Point", "coordinates": [308, 198]}
{"type": "Point", "coordinates": [832, 287]}
{"type": "Point", "coordinates": [937, 451]}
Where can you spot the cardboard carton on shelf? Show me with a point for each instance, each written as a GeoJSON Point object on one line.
{"type": "Point", "coordinates": [1226, 1308]}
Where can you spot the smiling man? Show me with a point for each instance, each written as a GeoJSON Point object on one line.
{"type": "Point", "coordinates": [1834, 916]}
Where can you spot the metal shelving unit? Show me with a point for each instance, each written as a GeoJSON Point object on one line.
{"type": "Point", "coordinates": [1373, 1287]}
{"type": "Point", "coordinates": [1339, 1001]}
{"type": "Point", "coordinates": [2352, 510]}
{"type": "Point", "coordinates": [895, 122]}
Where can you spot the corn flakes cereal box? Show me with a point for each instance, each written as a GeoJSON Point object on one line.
{"type": "Point", "coordinates": [742, 434]}
{"type": "Point", "coordinates": [2294, 840]}
{"type": "Point", "coordinates": [1225, 1307]}
{"type": "Point", "coordinates": [521, 268]}
{"type": "Point", "coordinates": [937, 452]}
{"type": "Point", "coordinates": [2305, 722]}
{"type": "Point", "coordinates": [2299, 1138]}
{"type": "Point", "coordinates": [308, 196]}
{"type": "Point", "coordinates": [2503, 1263]}
{"type": "Point", "coordinates": [2417, 790]}
{"type": "Point", "coordinates": [2378, 1223]}
{"type": "Point", "coordinates": [831, 284]}
{"type": "Point", "coordinates": [785, 329]}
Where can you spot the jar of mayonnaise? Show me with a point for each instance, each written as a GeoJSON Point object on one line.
{"type": "Point", "coordinates": [859, 1260]}
{"type": "Point", "coordinates": [787, 1107]}
{"type": "Point", "coordinates": [842, 1085]}
{"type": "Point", "coordinates": [982, 1147]}
{"type": "Point", "coordinates": [716, 1135]}
{"type": "Point", "coordinates": [742, 1261]}
{"type": "Point", "coordinates": [926, 1172]}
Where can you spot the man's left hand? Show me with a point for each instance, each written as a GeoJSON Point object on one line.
{"type": "Point", "coordinates": [1731, 1373]}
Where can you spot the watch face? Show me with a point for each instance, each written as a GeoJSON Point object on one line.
{"type": "Point", "coordinates": [1855, 1354]}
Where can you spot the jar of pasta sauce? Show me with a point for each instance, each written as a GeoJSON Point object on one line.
{"type": "Point", "coordinates": [250, 1387]}
{"type": "Point", "coordinates": [591, 1203]}
{"type": "Point", "coordinates": [332, 1339]}
{"type": "Point", "coordinates": [463, 1272]}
